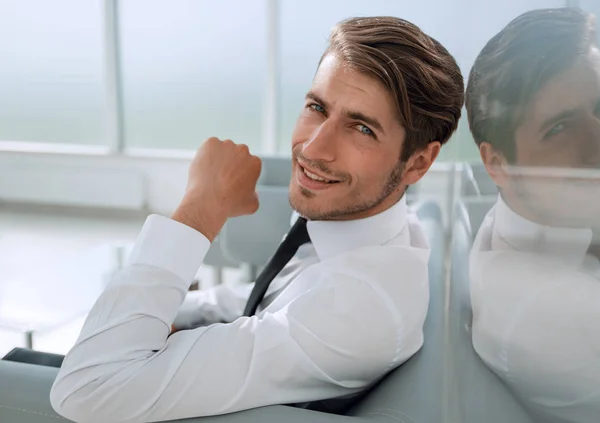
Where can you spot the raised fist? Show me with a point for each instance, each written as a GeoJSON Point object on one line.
{"type": "Point", "coordinates": [221, 184]}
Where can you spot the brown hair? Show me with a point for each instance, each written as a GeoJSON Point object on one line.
{"type": "Point", "coordinates": [515, 64]}
{"type": "Point", "coordinates": [423, 78]}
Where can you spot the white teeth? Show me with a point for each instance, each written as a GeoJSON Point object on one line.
{"type": "Point", "coordinates": [315, 177]}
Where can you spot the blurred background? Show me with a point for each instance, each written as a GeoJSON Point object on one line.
{"type": "Point", "coordinates": [103, 103]}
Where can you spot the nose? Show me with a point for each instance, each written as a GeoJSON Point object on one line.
{"type": "Point", "coordinates": [322, 143]}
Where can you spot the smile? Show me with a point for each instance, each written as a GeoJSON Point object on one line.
{"type": "Point", "coordinates": [312, 181]}
{"type": "Point", "coordinates": [317, 177]}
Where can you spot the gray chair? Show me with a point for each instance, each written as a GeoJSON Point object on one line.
{"type": "Point", "coordinates": [218, 260]}
{"type": "Point", "coordinates": [276, 171]}
{"type": "Point", "coordinates": [476, 394]}
{"type": "Point", "coordinates": [254, 238]}
{"type": "Point", "coordinates": [413, 393]}
{"type": "Point", "coordinates": [476, 209]}
{"type": "Point", "coordinates": [475, 181]}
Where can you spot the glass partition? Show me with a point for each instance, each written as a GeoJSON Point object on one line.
{"type": "Point", "coordinates": [523, 296]}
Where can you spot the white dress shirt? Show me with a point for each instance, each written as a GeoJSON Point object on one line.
{"type": "Point", "coordinates": [351, 311]}
{"type": "Point", "coordinates": [536, 313]}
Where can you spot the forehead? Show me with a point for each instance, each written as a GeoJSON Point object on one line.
{"type": "Point", "coordinates": [345, 88]}
{"type": "Point", "coordinates": [576, 88]}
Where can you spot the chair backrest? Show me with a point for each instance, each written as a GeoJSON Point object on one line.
{"type": "Point", "coordinates": [475, 181]}
{"type": "Point", "coordinates": [476, 393]}
{"type": "Point", "coordinates": [254, 238]}
{"type": "Point", "coordinates": [216, 257]}
{"type": "Point", "coordinates": [414, 391]}
{"type": "Point", "coordinates": [276, 171]}
{"type": "Point", "coordinates": [476, 210]}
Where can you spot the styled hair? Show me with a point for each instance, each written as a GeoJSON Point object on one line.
{"type": "Point", "coordinates": [423, 78]}
{"type": "Point", "coordinates": [516, 63]}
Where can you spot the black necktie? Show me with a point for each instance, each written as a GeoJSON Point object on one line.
{"type": "Point", "coordinates": [297, 236]}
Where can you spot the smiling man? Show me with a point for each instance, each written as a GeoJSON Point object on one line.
{"type": "Point", "coordinates": [343, 300]}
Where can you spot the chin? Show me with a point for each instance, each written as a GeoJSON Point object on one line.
{"type": "Point", "coordinates": [305, 203]}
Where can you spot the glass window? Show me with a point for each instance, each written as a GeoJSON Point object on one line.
{"type": "Point", "coordinates": [523, 297]}
{"type": "Point", "coordinates": [192, 69]}
{"type": "Point", "coordinates": [51, 77]}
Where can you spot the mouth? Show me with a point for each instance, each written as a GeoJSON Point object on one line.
{"type": "Point", "coordinates": [312, 180]}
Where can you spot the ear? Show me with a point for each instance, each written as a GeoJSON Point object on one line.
{"type": "Point", "coordinates": [495, 163]}
{"type": "Point", "coordinates": [419, 163]}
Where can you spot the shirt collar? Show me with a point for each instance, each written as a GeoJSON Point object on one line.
{"type": "Point", "coordinates": [332, 237]}
{"type": "Point", "coordinates": [571, 244]}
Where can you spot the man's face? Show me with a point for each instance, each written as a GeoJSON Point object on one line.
{"type": "Point", "coordinates": [560, 139]}
{"type": "Point", "coordinates": [346, 147]}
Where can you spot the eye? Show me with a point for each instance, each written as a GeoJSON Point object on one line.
{"type": "Point", "coordinates": [365, 130]}
{"type": "Point", "coordinates": [556, 129]}
{"type": "Point", "coordinates": [316, 108]}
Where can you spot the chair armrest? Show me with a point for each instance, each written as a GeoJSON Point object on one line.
{"type": "Point", "coordinates": [25, 398]}
{"type": "Point", "coordinates": [25, 393]}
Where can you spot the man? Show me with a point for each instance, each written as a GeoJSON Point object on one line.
{"type": "Point", "coordinates": [533, 103]}
{"type": "Point", "coordinates": [352, 300]}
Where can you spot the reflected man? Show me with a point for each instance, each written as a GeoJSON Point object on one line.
{"type": "Point", "coordinates": [533, 104]}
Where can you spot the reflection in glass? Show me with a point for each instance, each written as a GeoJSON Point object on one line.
{"type": "Point", "coordinates": [192, 69]}
{"type": "Point", "coordinates": [533, 102]}
{"type": "Point", "coordinates": [51, 76]}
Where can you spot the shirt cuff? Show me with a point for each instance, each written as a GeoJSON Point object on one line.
{"type": "Point", "coordinates": [170, 245]}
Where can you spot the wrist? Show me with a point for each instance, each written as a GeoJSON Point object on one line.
{"type": "Point", "coordinates": [207, 220]}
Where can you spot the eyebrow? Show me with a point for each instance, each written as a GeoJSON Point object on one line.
{"type": "Point", "coordinates": [351, 114]}
{"type": "Point", "coordinates": [317, 99]}
{"type": "Point", "coordinates": [556, 118]}
{"type": "Point", "coordinates": [369, 120]}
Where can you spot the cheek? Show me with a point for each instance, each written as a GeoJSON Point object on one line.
{"type": "Point", "coordinates": [561, 158]}
{"type": "Point", "coordinates": [371, 168]}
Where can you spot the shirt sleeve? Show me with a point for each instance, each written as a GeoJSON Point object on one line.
{"type": "Point", "coordinates": [125, 366]}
